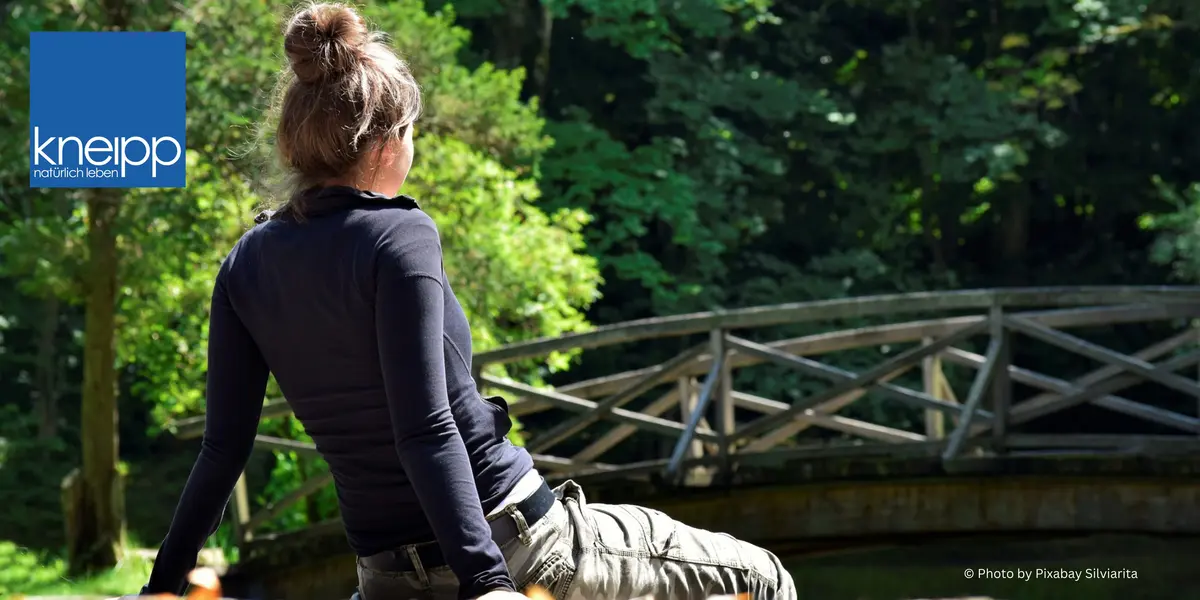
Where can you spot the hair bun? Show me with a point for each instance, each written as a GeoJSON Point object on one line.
{"type": "Point", "coordinates": [324, 40]}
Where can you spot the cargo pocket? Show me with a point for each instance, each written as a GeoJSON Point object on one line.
{"type": "Point", "coordinates": [554, 575]}
{"type": "Point", "coordinates": [632, 530]}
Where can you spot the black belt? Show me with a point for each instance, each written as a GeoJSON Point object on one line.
{"type": "Point", "coordinates": [504, 529]}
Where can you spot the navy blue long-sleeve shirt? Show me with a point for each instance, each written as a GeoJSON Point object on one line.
{"type": "Point", "coordinates": [351, 310]}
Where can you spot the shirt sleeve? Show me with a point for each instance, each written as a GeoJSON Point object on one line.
{"type": "Point", "coordinates": [409, 313]}
{"type": "Point", "coordinates": [237, 383]}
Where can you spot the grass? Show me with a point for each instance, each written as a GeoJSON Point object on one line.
{"type": "Point", "coordinates": [31, 529]}
{"type": "Point", "coordinates": [32, 574]}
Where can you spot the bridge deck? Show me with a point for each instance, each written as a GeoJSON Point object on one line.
{"type": "Point", "coordinates": [807, 504]}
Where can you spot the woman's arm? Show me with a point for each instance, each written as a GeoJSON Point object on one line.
{"type": "Point", "coordinates": [409, 311]}
{"type": "Point", "coordinates": [237, 382]}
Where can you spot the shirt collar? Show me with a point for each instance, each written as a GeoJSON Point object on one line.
{"type": "Point", "coordinates": [318, 202]}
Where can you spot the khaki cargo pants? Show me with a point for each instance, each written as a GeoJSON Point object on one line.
{"type": "Point", "coordinates": [582, 551]}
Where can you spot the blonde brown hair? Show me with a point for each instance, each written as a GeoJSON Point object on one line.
{"type": "Point", "coordinates": [346, 93]}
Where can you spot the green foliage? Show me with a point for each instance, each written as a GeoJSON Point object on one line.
{"type": "Point", "coordinates": [21, 570]}
{"type": "Point", "coordinates": [26, 572]}
{"type": "Point", "coordinates": [517, 270]}
{"type": "Point", "coordinates": [645, 27]}
{"type": "Point", "coordinates": [631, 191]}
{"type": "Point", "coordinates": [31, 469]}
{"type": "Point", "coordinates": [909, 144]}
{"type": "Point", "coordinates": [171, 241]}
{"type": "Point", "coordinates": [1178, 243]}
{"type": "Point", "coordinates": [164, 302]}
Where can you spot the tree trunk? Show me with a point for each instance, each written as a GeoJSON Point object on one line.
{"type": "Point", "coordinates": [99, 514]}
{"type": "Point", "coordinates": [541, 65]}
{"type": "Point", "coordinates": [510, 34]}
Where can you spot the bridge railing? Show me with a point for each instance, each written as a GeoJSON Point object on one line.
{"type": "Point", "coordinates": [690, 401]}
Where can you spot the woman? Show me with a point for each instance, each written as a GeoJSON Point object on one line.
{"type": "Point", "coordinates": [342, 295]}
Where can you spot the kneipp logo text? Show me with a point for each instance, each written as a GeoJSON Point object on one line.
{"type": "Point", "coordinates": [107, 110]}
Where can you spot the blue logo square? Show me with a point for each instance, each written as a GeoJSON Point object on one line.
{"type": "Point", "coordinates": [107, 110]}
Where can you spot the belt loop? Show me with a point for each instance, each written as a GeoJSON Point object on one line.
{"type": "Point", "coordinates": [522, 525]}
{"type": "Point", "coordinates": [575, 501]}
{"type": "Point", "coordinates": [417, 566]}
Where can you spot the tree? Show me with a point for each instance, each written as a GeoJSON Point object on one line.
{"type": "Point", "coordinates": [104, 251]}
{"type": "Point", "coordinates": [97, 508]}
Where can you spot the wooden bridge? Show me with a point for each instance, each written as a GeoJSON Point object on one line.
{"type": "Point", "coordinates": [796, 475]}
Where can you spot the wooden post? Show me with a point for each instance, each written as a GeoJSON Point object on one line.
{"type": "Point", "coordinates": [241, 511]}
{"type": "Point", "coordinates": [75, 518]}
{"type": "Point", "coordinates": [689, 390]}
{"type": "Point", "coordinates": [1001, 383]}
{"type": "Point", "coordinates": [71, 493]}
{"type": "Point", "coordinates": [931, 373]}
{"type": "Point", "coordinates": [710, 389]}
{"type": "Point", "coordinates": [975, 397]}
{"type": "Point", "coordinates": [724, 403]}
{"type": "Point", "coordinates": [687, 404]}
{"type": "Point", "coordinates": [1196, 341]}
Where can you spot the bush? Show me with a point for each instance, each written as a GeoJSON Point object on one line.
{"type": "Point", "coordinates": [23, 571]}
{"type": "Point", "coordinates": [31, 472]}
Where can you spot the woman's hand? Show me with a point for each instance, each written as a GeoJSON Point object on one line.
{"type": "Point", "coordinates": [502, 595]}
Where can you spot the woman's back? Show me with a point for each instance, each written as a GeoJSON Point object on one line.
{"type": "Point", "coordinates": [342, 295]}
{"type": "Point", "coordinates": [313, 295]}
